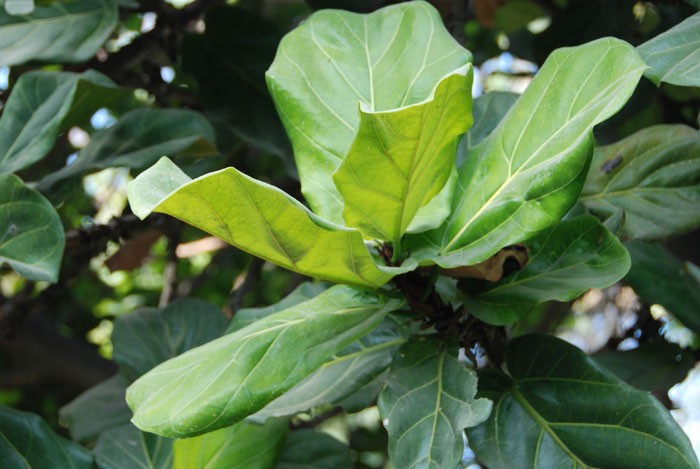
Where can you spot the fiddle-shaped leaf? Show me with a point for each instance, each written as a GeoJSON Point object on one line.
{"type": "Point", "coordinates": [230, 378]}
{"type": "Point", "coordinates": [259, 219]}
{"type": "Point", "coordinates": [648, 179]}
{"type": "Point", "coordinates": [529, 172]}
{"type": "Point", "coordinates": [565, 261]}
{"type": "Point", "coordinates": [127, 446]}
{"type": "Point", "coordinates": [558, 408]}
{"type": "Point", "coordinates": [314, 450]}
{"type": "Point", "coordinates": [335, 60]}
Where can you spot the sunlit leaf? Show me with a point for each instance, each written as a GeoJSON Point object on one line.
{"type": "Point", "coordinates": [314, 450]}
{"type": "Point", "coordinates": [127, 446]}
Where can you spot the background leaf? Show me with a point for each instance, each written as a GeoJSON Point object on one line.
{"type": "Point", "coordinates": [307, 449]}
{"type": "Point", "coordinates": [31, 233]}
{"type": "Point", "coordinates": [558, 408]}
{"type": "Point", "coordinates": [335, 60]}
{"type": "Point", "coordinates": [428, 401]}
{"type": "Point", "coordinates": [19, 7]}
{"type": "Point", "coordinates": [488, 110]}
{"type": "Point", "coordinates": [126, 446]}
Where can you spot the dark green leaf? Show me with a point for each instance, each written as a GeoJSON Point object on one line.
{"type": "Point", "coordinates": [26, 441]}
{"type": "Point", "coordinates": [559, 409]}
{"type": "Point", "coordinates": [65, 31]}
{"type": "Point", "coordinates": [220, 383]}
{"type": "Point", "coordinates": [565, 261]}
{"type": "Point", "coordinates": [31, 233]}
{"type": "Point", "coordinates": [428, 402]}
{"type": "Point", "coordinates": [126, 446]}
{"type": "Point", "coordinates": [489, 109]}
{"type": "Point", "coordinates": [307, 449]}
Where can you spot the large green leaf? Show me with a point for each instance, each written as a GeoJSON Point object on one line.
{"type": "Point", "coordinates": [565, 261]}
{"type": "Point", "coordinates": [488, 110]}
{"type": "Point", "coordinates": [127, 446]}
{"type": "Point", "coordinates": [651, 179]}
{"type": "Point", "coordinates": [44, 104]}
{"type": "Point", "coordinates": [674, 56]}
{"type": "Point", "coordinates": [31, 233]}
{"type": "Point", "coordinates": [658, 277]}
{"type": "Point", "coordinates": [139, 138]}
{"type": "Point", "coordinates": [559, 409]}
{"type": "Point", "coordinates": [26, 441]}
{"type": "Point", "coordinates": [60, 31]}
{"type": "Point", "coordinates": [336, 60]}
{"type": "Point", "coordinates": [307, 449]}
{"type": "Point", "coordinates": [148, 337]}
{"type": "Point", "coordinates": [527, 174]}
{"type": "Point", "coordinates": [428, 402]}
{"type": "Point", "coordinates": [220, 383]}
{"type": "Point", "coordinates": [241, 445]}
{"type": "Point", "coordinates": [400, 159]}
{"type": "Point", "coordinates": [260, 219]}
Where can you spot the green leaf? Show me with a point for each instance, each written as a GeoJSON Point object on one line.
{"type": "Point", "coordinates": [44, 104]}
{"type": "Point", "coordinates": [307, 449]}
{"type": "Point", "coordinates": [658, 277]}
{"type": "Point", "coordinates": [559, 409]}
{"type": "Point", "coordinates": [336, 61]}
{"type": "Point", "coordinates": [649, 179]}
{"type": "Point", "coordinates": [259, 219]}
{"type": "Point", "coordinates": [126, 446]}
{"type": "Point", "coordinates": [99, 408]}
{"type": "Point", "coordinates": [241, 445]}
{"type": "Point", "coordinates": [488, 110]}
{"type": "Point", "coordinates": [19, 7]}
{"type": "Point", "coordinates": [31, 233]}
{"type": "Point", "coordinates": [674, 55]}
{"type": "Point", "coordinates": [565, 261]}
{"type": "Point", "coordinates": [26, 441]}
{"type": "Point", "coordinates": [139, 138]}
{"type": "Point", "coordinates": [65, 31]}
{"type": "Point", "coordinates": [401, 159]}
{"type": "Point", "coordinates": [530, 170]}
{"type": "Point", "coordinates": [220, 383]}
{"type": "Point", "coordinates": [148, 337]}
{"type": "Point", "coordinates": [345, 373]}
{"type": "Point", "coordinates": [428, 402]}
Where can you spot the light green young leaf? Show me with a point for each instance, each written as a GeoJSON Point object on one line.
{"type": "Point", "coordinates": [44, 104]}
{"type": "Point", "coordinates": [559, 409]}
{"type": "Point", "coordinates": [335, 60]}
{"type": "Point", "coordinates": [529, 172]}
{"type": "Point", "coordinates": [674, 56]}
{"type": "Point", "coordinates": [241, 445]}
{"type": "Point", "coordinates": [230, 378]}
{"type": "Point", "coordinates": [565, 261]}
{"type": "Point", "coordinates": [649, 179]}
{"type": "Point", "coordinates": [428, 402]}
{"type": "Point", "coordinates": [259, 219]}
{"type": "Point", "coordinates": [127, 446]}
{"type": "Point", "coordinates": [31, 233]}
{"type": "Point", "coordinates": [309, 449]}
{"type": "Point", "coordinates": [65, 31]}
{"type": "Point", "coordinates": [400, 159]}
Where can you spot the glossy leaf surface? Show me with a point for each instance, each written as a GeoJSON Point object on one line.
{"type": "Point", "coordinates": [336, 60]}
{"type": "Point", "coordinates": [648, 179]}
{"type": "Point", "coordinates": [222, 382]}
{"type": "Point", "coordinates": [674, 56]}
{"type": "Point", "coordinates": [428, 401]}
{"type": "Point", "coordinates": [401, 159]}
{"type": "Point", "coordinates": [65, 31]}
{"type": "Point", "coordinates": [260, 219]}
{"type": "Point", "coordinates": [314, 450]}
{"type": "Point", "coordinates": [559, 409]}
{"type": "Point", "coordinates": [31, 233]}
{"type": "Point", "coordinates": [531, 169]}
{"type": "Point", "coordinates": [565, 261]}
{"type": "Point", "coordinates": [127, 446]}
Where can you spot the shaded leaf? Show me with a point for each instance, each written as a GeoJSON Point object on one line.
{"type": "Point", "coordinates": [220, 383]}
{"type": "Point", "coordinates": [336, 60]}
{"type": "Point", "coordinates": [27, 441]}
{"type": "Point", "coordinates": [127, 446]}
{"type": "Point", "coordinates": [530, 170]}
{"type": "Point", "coordinates": [565, 261]}
{"type": "Point", "coordinates": [488, 110]}
{"type": "Point", "coordinates": [401, 159]}
{"type": "Point", "coordinates": [648, 179]}
{"type": "Point", "coordinates": [559, 409]}
{"type": "Point", "coordinates": [307, 449]}
{"type": "Point", "coordinates": [148, 337]}
{"type": "Point", "coordinates": [674, 56]}
{"type": "Point", "coordinates": [65, 31]}
{"type": "Point", "coordinates": [428, 402]}
{"type": "Point", "coordinates": [259, 219]}
{"type": "Point", "coordinates": [31, 233]}
{"type": "Point", "coordinates": [241, 445]}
